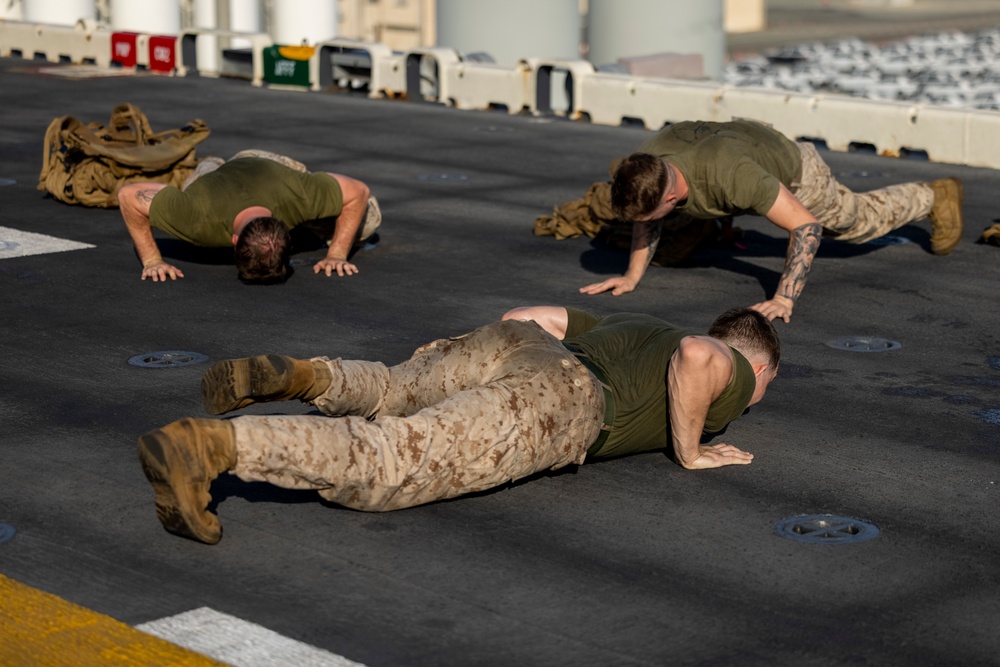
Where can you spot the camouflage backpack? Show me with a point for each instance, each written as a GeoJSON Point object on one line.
{"type": "Point", "coordinates": [86, 164]}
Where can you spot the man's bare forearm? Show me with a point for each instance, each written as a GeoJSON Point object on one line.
{"type": "Point", "coordinates": [803, 243]}
{"type": "Point", "coordinates": [645, 239]}
{"type": "Point", "coordinates": [135, 211]}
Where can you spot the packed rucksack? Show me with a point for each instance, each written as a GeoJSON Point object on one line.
{"type": "Point", "coordinates": [87, 163]}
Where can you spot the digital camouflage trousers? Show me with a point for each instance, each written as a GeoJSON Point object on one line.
{"type": "Point", "coordinates": [857, 217]}
{"type": "Point", "coordinates": [462, 415]}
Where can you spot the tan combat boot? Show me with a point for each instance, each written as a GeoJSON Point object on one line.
{"type": "Point", "coordinates": [237, 383]}
{"type": "Point", "coordinates": [946, 215]}
{"type": "Point", "coordinates": [991, 235]}
{"type": "Point", "coordinates": [180, 461]}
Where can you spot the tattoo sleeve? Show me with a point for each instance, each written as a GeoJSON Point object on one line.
{"type": "Point", "coordinates": [648, 236]}
{"type": "Point", "coordinates": [802, 246]}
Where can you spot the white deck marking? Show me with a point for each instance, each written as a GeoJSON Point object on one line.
{"type": "Point", "coordinates": [85, 71]}
{"type": "Point", "coordinates": [15, 243]}
{"type": "Point", "coordinates": [238, 642]}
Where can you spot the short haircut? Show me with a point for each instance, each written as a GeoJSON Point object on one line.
{"type": "Point", "coordinates": [639, 185]}
{"type": "Point", "coordinates": [749, 332]}
{"type": "Point", "coordinates": [262, 251]}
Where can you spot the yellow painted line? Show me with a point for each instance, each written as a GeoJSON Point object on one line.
{"type": "Point", "coordinates": [42, 630]}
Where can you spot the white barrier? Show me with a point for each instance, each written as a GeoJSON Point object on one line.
{"type": "Point", "coordinates": [616, 98]}
{"type": "Point", "coordinates": [82, 43]}
{"type": "Point", "coordinates": [945, 134]}
{"type": "Point", "coordinates": [575, 72]}
{"type": "Point", "coordinates": [982, 139]}
{"type": "Point", "coordinates": [187, 53]}
{"type": "Point", "coordinates": [390, 72]}
{"type": "Point", "coordinates": [487, 86]}
{"type": "Point", "coordinates": [425, 73]}
{"type": "Point", "coordinates": [321, 69]}
{"type": "Point", "coordinates": [892, 128]}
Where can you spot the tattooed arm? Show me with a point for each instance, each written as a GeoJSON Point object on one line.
{"type": "Point", "coordinates": [134, 200]}
{"type": "Point", "coordinates": [803, 242]}
{"type": "Point", "coordinates": [645, 238]}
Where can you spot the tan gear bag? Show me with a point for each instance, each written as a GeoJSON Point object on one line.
{"type": "Point", "coordinates": [86, 164]}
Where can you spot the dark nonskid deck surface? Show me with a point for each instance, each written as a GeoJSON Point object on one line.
{"type": "Point", "coordinates": [627, 562]}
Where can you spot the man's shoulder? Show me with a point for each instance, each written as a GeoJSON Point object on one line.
{"type": "Point", "coordinates": [161, 197]}
{"type": "Point", "coordinates": [639, 318]}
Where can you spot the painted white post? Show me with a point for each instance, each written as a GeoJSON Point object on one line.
{"type": "Point", "coordinates": [58, 12]}
{"type": "Point", "coordinates": [296, 22]}
{"type": "Point", "coordinates": [244, 16]}
{"type": "Point", "coordinates": [206, 16]}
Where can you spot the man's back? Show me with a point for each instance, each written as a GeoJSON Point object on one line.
{"type": "Point", "coordinates": [204, 213]}
{"type": "Point", "coordinates": [730, 168]}
{"type": "Point", "coordinates": [634, 351]}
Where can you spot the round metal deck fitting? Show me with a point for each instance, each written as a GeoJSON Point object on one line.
{"type": "Point", "coordinates": [167, 359]}
{"type": "Point", "coordinates": [889, 239]}
{"type": "Point", "coordinates": [437, 178]}
{"type": "Point", "coordinates": [7, 181]}
{"type": "Point", "coordinates": [825, 529]}
{"type": "Point", "coordinates": [863, 344]}
{"type": "Point", "coordinates": [6, 532]}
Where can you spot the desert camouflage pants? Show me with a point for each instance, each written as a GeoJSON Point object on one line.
{"type": "Point", "coordinates": [857, 217]}
{"type": "Point", "coordinates": [462, 415]}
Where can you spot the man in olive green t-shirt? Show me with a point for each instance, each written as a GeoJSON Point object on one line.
{"type": "Point", "coordinates": [250, 204]}
{"type": "Point", "coordinates": [543, 388]}
{"type": "Point", "coordinates": [706, 171]}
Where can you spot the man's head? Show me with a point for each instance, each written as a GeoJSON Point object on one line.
{"type": "Point", "coordinates": [753, 335]}
{"type": "Point", "coordinates": [640, 187]}
{"type": "Point", "coordinates": [262, 250]}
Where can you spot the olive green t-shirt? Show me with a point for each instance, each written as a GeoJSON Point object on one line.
{"type": "Point", "coordinates": [634, 352]}
{"type": "Point", "coordinates": [203, 214]}
{"type": "Point", "coordinates": [731, 168]}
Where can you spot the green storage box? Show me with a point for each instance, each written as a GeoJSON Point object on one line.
{"type": "Point", "coordinates": [287, 65]}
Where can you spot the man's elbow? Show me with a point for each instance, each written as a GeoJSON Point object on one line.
{"type": "Point", "coordinates": [361, 193]}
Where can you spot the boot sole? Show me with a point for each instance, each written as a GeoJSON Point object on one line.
{"type": "Point", "coordinates": [236, 383]}
{"type": "Point", "coordinates": [944, 247]}
{"type": "Point", "coordinates": [225, 386]}
{"type": "Point", "coordinates": [176, 508]}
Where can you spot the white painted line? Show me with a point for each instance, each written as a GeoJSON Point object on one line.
{"type": "Point", "coordinates": [238, 642]}
{"type": "Point", "coordinates": [85, 71]}
{"type": "Point", "coordinates": [15, 243]}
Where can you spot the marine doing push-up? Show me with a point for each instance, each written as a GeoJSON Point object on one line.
{"type": "Point", "coordinates": [543, 388]}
